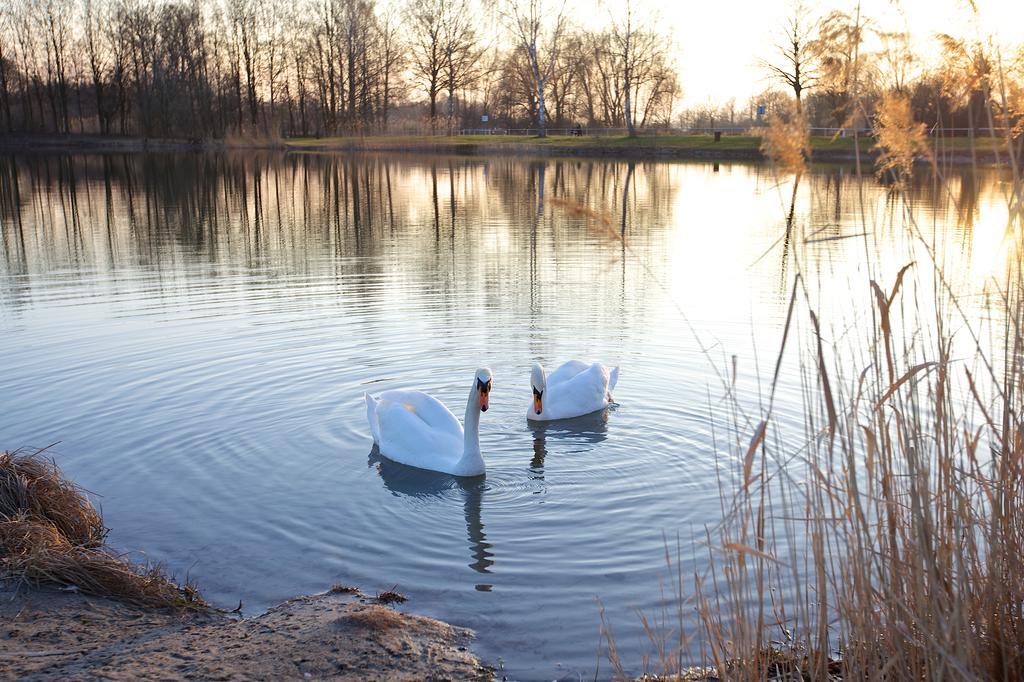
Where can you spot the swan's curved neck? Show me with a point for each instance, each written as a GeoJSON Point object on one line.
{"type": "Point", "coordinates": [471, 424]}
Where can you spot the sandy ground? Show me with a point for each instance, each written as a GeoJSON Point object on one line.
{"type": "Point", "coordinates": [46, 634]}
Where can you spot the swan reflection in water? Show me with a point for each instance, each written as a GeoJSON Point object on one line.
{"type": "Point", "coordinates": [405, 480]}
{"type": "Point", "coordinates": [583, 431]}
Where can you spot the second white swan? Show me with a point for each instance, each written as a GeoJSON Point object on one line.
{"type": "Point", "coordinates": [573, 390]}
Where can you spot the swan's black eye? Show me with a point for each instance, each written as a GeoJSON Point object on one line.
{"type": "Point", "coordinates": [482, 387]}
{"type": "Point", "coordinates": [537, 394]}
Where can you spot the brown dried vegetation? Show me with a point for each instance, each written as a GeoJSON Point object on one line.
{"type": "Point", "coordinates": [391, 597]}
{"type": "Point", "coordinates": [375, 618]}
{"type": "Point", "coordinates": [900, 139]}
{"type": "Point", "coordinates": [786, 142]}
{"type": "Point", "coordinates": [50, 534]}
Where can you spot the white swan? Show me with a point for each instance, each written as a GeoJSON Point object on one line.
{"type": "Point", "coordinates": [416, 429]}
{"type": "Point", "coordinates": [574, 389]}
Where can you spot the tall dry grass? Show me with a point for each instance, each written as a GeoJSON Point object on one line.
{"type": "Point", "coordinates": [786, 140]}
{"type": "Point", "coordinates": [886, 542]}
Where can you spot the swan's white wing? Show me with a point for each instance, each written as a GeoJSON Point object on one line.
{"type": "Point", "coordinates": [428, 408]}
{"type": "Point", "coordinates": [567, 372]}
{"type": "Point", "coordinates": [583, 393]}
{"type": "Point", "coordinates": [405, 437]}
{"type": "Point", "coordinates": [588, 389]}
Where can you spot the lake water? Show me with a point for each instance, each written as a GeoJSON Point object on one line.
{"type": "Point", "coordinates": [197, 332]}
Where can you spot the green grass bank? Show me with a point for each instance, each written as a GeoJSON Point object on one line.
{"type": "Point", "coordinates": [958, 150]}
{"type": "Point", "coordinates": [728, 147]}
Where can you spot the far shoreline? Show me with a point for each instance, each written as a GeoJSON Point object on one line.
{"type": "Point", "coordinates": [954, 151]}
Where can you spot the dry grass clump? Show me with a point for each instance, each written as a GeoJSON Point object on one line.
{"type": "Point", "coordinates": [391, 597]}
{"type": "Point", "coordinates": [900, 139]}
{"type": "Point", "coordinates": [32, 485]}
{"type": "Point", "coordinates": [50, 534]}
{"type": "Point", "coordinates": [338, 588]}
{"type": "Point", "coordinates": [786, 141]}
{"type": "Point", "coordinates": [375, 618]}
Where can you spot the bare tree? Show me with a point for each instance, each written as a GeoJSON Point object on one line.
{"type": "Point", "coordinates": [648, 81]}
{"type": "Point", "coordinates": [897, 60]}
{"type": "Point", "coordinates": [655, 81]}
{"type": "Point", "coordinates": [272, 19]}
{"type": "Point", "coordinates": [565, 84]}
{"type": "Point", "coordinates": [425, 21]}
{"type": "Point", "coordinates": [6, 68]}
{"type": "Point", "coordinates": [243, 15]}
{"type": "Point", "coordinates": [56, 19]}
{"type": "Point", "coordinates": [624, 35]}
{"type": "Point", "coordinates": [325, 61]}
{"type": "Point", "coordinates": [115, 43]}
{"type": "Point", "coordinates": [391, 61]}
{"type": "Point", "coordinates": [97, 62]}
{"type": "Point", "coordinates": [461, 52]}
{"type": "Point", "coordinates": [515, 94]}
{"type": "Point", "coordinates": [356, 21]}
{"type": "Point", "coordinates": [796, 54]}
{"type": "Point", "coordinates": [538, 27]}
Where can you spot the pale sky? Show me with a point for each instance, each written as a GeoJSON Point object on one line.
{"type": "Point", "coordinates": [719, 44]}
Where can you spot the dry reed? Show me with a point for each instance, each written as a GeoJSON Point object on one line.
{"type": "Point", "coordinates": [50, 534]}
{"type": "Point", "coordinates": [600, 223]}
{"type": "Point", "coordinates": [886, 543]}
{"type": "Point", "coordinates": [786, 141]}
{"type": "Point", "coordinates": [900, 139]}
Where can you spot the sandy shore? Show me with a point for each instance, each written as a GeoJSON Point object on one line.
{"type": "Point", "coordinates": [47, 634]}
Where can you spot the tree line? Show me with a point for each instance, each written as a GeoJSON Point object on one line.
{"type": "Point", "coordinates": [211, 69]}
{"type": "Point", "coordinates": [197, 69]}
{"type": "Point", "coordinates": [138, 67]}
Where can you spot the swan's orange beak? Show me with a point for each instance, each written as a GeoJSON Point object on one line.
{"type": "Point", "coordinates": [485, 392]}
{"type": "Point", "coordinates": [538, 403]}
